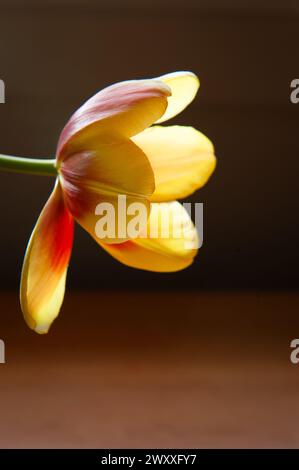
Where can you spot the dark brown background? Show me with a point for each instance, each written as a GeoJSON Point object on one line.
{"type": "Point", "coordinates": [138, 359]}
{"type": "Point", "coordinates": [53, 55]}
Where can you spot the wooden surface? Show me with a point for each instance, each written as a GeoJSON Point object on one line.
{"type": "Point", "coordinates": [153, 370]}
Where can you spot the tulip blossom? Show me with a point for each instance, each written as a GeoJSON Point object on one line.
{"type": "Point", "coordinates": [114, 145]}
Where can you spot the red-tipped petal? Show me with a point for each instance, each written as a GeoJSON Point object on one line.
{"type": "Point", "coordinates": [45, 264]}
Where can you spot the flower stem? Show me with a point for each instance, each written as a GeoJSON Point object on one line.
{"type": "Point", "coordinates": [28, 165]}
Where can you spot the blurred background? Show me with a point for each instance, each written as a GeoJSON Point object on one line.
{"type": "Point", "coordinates": [196, 358]}
{"type": "Point", "coordinates": [55, 55]}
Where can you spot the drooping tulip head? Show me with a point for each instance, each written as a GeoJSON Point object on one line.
{"type": "Point", "coordinates": [110, 147]}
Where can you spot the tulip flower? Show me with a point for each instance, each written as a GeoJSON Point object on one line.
{"type": "Point", "coordinates": [114, 144]}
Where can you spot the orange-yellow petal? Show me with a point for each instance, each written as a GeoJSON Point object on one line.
{"type": "Point", "coordinates": [118, 111]}
{"type": "Point", "coordinates": [184, 86]}
{"type": "Point", "coordinates": [94, 180]}
{"type": "Point", "coordinates": [45, 264]}
{"type": "Point", "coordinates": [182, 159]}
{"type": "Point", "coordinates": [170, 245]}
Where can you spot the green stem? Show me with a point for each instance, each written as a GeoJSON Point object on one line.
{"type": "Point", "coordinates": [28, 165]}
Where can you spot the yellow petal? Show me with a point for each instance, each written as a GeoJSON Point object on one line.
{"type": "Point", "coordinates": [184, 86]}
{"type": "Point", "coordinates": [94, 180]}
{"type": "Point", "coordinates": [182, 159]}
{"type": "Point", "coordinates": [118, 111]}
{"type": "Point", "coordinates": [45, 264]}
{"type": "Point", "coordinates": [170, 241]}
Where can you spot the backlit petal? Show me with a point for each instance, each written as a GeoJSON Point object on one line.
{"type": "Point", "coordinates": [118, 111]}
{"type": "Point", "coordinates": [45, 264]}
{"type": "Point", "coordinates": [95, 178]}
{"type": "Point", "coordinates": [184, 86]}
{"type": "Point", "coordinates": [171, 242]}
{"type": "Point", "coordinates": [182, 159]}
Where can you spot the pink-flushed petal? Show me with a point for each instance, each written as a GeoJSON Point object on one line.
{"type": "Point", "coordinates": [120, 110]}
{"type": "Point", "coordinates": [46, 262]}
{"type": "Point", "coordinates": [94, 180]}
